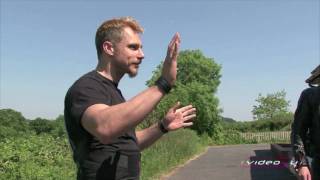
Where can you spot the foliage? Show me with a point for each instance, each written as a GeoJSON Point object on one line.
{"type": "Point", "coordinates": [12, 124]}
{"type": "Point", "coordinates": [197, 82]}
{"type": "Point", "coordinates": [230, 136]}
{"type": "Point", "coordinates": [171, 150]}
{"type": "Point", "coordinates": [55, 127]}
{"type": "Point", "coordinates": [40, 125]}
{"type": "Point", "coordinates": [270, 105]}
{"type": "Point", "coordinates": [44, 152]}
{"type": "Point", "coordinates": [228, 120]}
{"type": "Point", "coordinates": [36, 157]}
{"type": "Point", "coordinates": [278, 122]}
{"type": "Point", "coordinates": [35, 149]}
{"type": "Point", "coordinates": [193, 66]}
{"type": "Point", "coordinates": [59, 127]}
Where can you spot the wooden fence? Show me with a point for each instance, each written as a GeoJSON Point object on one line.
{"type": "Point", "coordinates": [276, 136]}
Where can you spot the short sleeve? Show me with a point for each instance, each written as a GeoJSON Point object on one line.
{"type": "Point", "coordinates": [85, 95]}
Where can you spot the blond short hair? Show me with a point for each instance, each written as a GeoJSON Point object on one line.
{"type": "Point", "coordinates": [111, 30]}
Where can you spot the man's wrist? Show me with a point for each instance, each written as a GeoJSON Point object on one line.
{"type": "Point", "coordinates": [163, 85]}
{"type": "Point", "coordinates": [301, 163]}
{"type": "Point", "coordinates": [162, 128]}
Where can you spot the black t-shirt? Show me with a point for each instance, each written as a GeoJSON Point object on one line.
{"type": "Point", "coordinates": [92, 88]}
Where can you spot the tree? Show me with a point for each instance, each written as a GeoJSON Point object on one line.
{"type": "Point", "coordinates": [12, 124]}
{"type": "Point", "coordinates": [40, 125]}
{"type": "Point", "coordinates": [59, 127]}
{"type": "Point", "coordinates": [55, 127]}
{"type": "Point", "coordinates": [270, 105]}
{"type": "Point", "coordinates": [197, 82]}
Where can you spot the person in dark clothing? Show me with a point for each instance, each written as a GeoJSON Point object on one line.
{"type": "Point", "coordinates": [100, 123]}
{"type": "Point", "coordinates": [305, 135]}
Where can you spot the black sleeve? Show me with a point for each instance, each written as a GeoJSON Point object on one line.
{"type": "Point", "coordinates": [86, 95]}
{"type": "Point", "coordinates": [302, 122]}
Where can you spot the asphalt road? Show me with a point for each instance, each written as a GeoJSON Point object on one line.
{"type": "Point", "coordinates": [236, 162]}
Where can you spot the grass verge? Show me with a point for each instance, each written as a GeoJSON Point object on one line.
{"type": "Point", "coordinates": [172, 150]}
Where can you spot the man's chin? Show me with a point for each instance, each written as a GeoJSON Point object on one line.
{"type": "Point", "coordinates": [133, 74]}
{"type": "Point", "coordinates": [133, 71]}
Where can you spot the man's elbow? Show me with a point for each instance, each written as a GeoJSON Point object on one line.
{"type": "Point", "coordinates": [104, 135]}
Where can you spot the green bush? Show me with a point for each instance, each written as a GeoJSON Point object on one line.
{"type": "Point", "coordinates": [40, 153]}
{"type": "Point", "coordinates": [12, 124]}
{"type": "Point", "coordinates": [55, 127]}
{"type": "Point", "coordinates": [277, 123]}
{"type": "Point", "coordinates": [46, 157]}
{"type": "Point", "coordinates": [40, 125]}
{"type": "Point", "coordinates": [36, 157]}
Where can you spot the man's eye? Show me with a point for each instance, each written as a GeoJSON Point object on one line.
{"type": "Point", "coordinates": [134, 46]}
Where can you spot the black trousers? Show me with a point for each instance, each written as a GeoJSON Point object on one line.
{"type": "Point", "coordinates": [117, 166]}
{"type": "Point", "coordinates": [315, 168]}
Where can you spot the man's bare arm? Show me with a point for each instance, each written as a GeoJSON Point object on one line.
{"type": "Point", "coordinates": [108, 122]}
{"type": "Point", "coordinates": [148, 136]}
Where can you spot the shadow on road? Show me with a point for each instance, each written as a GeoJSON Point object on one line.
{"type": "Point", "coordinates": [263, 166]}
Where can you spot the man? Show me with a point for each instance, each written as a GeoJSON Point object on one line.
{"type": "Point", "coordinates": [305, 135]}
{"type": "Point", "coordinates": [100, 123]}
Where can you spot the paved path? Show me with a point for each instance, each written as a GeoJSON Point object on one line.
{"type": "Point", "coordinates": [231, 163]}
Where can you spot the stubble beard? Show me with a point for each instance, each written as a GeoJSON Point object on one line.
{"type": "Point", "coordinates": [133, 74]}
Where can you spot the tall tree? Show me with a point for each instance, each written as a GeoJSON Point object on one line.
{"type": "Point", "coordinates": [270, 105]}
{"type": "Point", "coordinates": [197, 82]}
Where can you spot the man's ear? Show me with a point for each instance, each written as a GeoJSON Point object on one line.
{"type": "Point", "coordinates": [107, 47]}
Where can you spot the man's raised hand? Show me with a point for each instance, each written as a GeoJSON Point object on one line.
{"type": "Point", "coordinates": [169, 71]}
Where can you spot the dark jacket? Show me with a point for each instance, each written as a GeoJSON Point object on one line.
{"type": "Point", "coordinates": [305, 134]}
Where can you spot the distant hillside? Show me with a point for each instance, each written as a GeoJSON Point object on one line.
{"type": "Point", "coordinates": [228, 120]}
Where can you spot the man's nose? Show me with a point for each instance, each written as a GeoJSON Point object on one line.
{"type": "Point", "coordinates": [141, 54]}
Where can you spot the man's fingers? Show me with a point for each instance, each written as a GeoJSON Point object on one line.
{"type": "Point", "coordinates": [305, 176]}
{"type": "Point", "coordinates": [174, 45]}
{"type": "Point", "coordinates": [185, 108]}
{"type": "Point", "coordinates": [177, 43]}
{"type": "Point", "coordinates": [189, 118]}
{"type": "Point", "coordinates": [309, 177]}
{"type": "Point", "coordinates": [187, 124]}
{"type": "Point", "coordinates": [174, 39]}
{"type": "Point", "coordinates": [175, 51]}
{"type": "Point", "coordinates": [172, 50]}
{"type": "Point", "coordinates": [172, 42]}
{"type": "Point", "coordinates": [189, 111]}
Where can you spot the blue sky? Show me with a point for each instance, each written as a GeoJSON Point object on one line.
{"type": "Point", "coordinates": [263, 47]}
